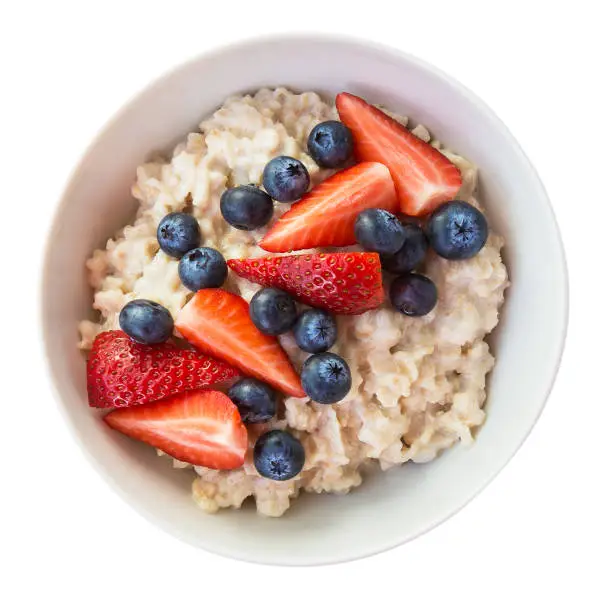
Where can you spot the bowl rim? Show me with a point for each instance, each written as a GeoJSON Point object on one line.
{"type": "Point", "coordinates": [241, 45]}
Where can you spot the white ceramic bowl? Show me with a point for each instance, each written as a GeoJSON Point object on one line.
{"type": "Point", "coordinates": [390, 508]}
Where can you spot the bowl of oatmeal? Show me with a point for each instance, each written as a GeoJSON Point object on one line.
{"type": "Point", "coordinates": [318, 286]}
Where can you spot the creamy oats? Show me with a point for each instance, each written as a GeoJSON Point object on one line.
{"type": "Point", "coordinates": [418, 383]}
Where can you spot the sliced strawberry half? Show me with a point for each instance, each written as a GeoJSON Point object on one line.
{"type": "Point", "coordinates": [342, 283]}
{"type": "Point", "coordinates": [424, 177]}
{"type": "Point", "coordinates": [122, 373]}
{"type": "Point", "coordinates": [218, 323]}
{"type": "Point", "coordinates": [325, 216]}
{"type": "Point", "coordinates": [198, 427]}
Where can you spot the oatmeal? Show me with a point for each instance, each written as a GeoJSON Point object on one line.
{"type": "Point", "coordinates": [417, 383]}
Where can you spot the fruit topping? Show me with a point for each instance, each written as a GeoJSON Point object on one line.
{"type": "Point", "coordinates": [379, 230]}
{"type": "Point", "coordinates": [123, 373]}
{"type": "Point", "coordinates": [146, 321]}
{"type": "Point", "coordinates": [278, 455]}
{"type": "Point", "coordinates": [273, 311]}
{"type": "Point", "coordinates": [246, 207]}
{"type": "Point", "coordinates": [413, 294]}
{"type": "Point", "coordinates": [218, 323]}
{"type": "Point", "coordinates": [326, 378]}
{"type": "Point", "coordinates": [178, 233]}
{"type": "Point", "coordinates": [202, 268]}
{"type": "Point", "coordinates": [411, 254]}
{"type": "Point", "coordinates": [315, 331]}
{"type": "Point", "coordinates": [325, 216]}
{"type": "Point", "coordinates": [342, 283]}
{"type": "Point", "coordinates": [255, 400]}
{"type": "Point", "coordinates": [198, 427]}
{"type": "Point", "coordinates": [457, 230]}
{"type": "Point", "coordinates": [424, 177]}
{"type": "Point", "coordinates": [330, 144]}
{"type": "Point", "coordinates": [285, 178]}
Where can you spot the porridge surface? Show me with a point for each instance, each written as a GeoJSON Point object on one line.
{"type": "Point", "coordinates": [418, 384]}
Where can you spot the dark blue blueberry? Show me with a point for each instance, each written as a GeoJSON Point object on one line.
{"type": "Point", "coordinates": [285, 178]}
{"type": "Point", "coordinates": [278, 455]}
{"type": "Point", "coordinates": [379, 230]}
{"type": "Point", "coordinates": [413, 294]}
{"type": "Point", "coordinates": [246, 207]}
{"type": "Point", "coordinates": [411, 254]}
{"type": "Point", "coordinates": [315, 331]}
{"type": "Point", "coordinates": [457, 230]}
{"type": "Point", "coordinates": [202, 268]}
{"type": "Point", "coordinates": [178, 233]}
{"type": "Point", "coordinates": [146, 321]}
{"type": "Point", "coordinates": [255, 400]}
{"type": "Point", "coordinates": [330, 144]}
{"type": "Point", "coordinates": [326, 378]}
{"type": "Point", "coordinates": [273, 311]}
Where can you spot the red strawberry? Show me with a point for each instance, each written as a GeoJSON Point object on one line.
{"type": "Point", "coordinates": [218, 322]}
{"type": "Point", "coordinates": [122, 373]}
{"type": "Point", "coordinates": [199, 427]}
{"type": "Point", "coordinates": [343, 283]}
{"type": "Point", "coordinates": [325, 216]}
{"type": "Point", "coordinates": [424, 177]}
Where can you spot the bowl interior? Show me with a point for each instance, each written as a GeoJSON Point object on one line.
{"type": "Point", "coordinates": [391, 507]}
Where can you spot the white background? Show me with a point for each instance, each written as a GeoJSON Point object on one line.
{"type": "Point", "coordinates": [534, 540]}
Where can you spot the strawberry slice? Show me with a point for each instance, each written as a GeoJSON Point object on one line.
{"type": "Point", "coordinates": [424, 177]}
{"type": "Point", "coordinates": [198, 427]}
{"type": "Point", "coordinates": [218, 322]}
{"type": "Point", "coordinates": [342, 283]}
{"type": "Point", "coordinates": [326, 215]}
{"type": "Point", "coordinates": [121, 372]}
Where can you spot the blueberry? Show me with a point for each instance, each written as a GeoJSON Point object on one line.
{"type": "Point", "coordinates": [178, 233]}
{"type": "Point", "coordinates": [457, 230]}
{"type": "Point", "coordinates": [278, 455]}
{"type": "Point", "coordinates": [273, 311]}
{"type": "Point", "coordinates": [330, 144]}
{"type": "Point", "coordinates": [379, 230]}
{"type": "Point", "coordinates": [202, 268]}
{"type": "Point", "coordinates": [413, 294]}
{"type": "Point", "coordinates": [285, 178]}
{"type": "Point", "coordinates": [411, 254]}
{"type": "Point", "coordinates": [255, 400]}
{"type": "Point", "coordinates": [326, 378]}
{"type": "Point", "coordinates": [146, 321]}
{"type": "Point", "coordinates": [315, 331]}
{"type": "Point", "coordinates": [246, 207]}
